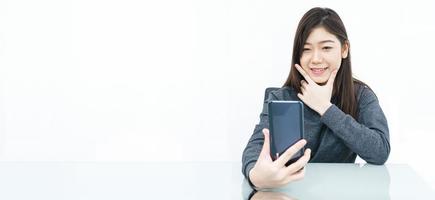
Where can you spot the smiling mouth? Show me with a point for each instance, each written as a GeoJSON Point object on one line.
{"type": "Point", "coordinates": [318, 71]}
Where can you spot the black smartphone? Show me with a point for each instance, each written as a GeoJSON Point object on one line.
{"type": "Point", "coordinates": [286, 126]}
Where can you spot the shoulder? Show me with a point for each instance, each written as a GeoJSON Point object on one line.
{"type": "Point", "coordinates": [283, 93]}
{"type": "Point", "coordinates": [365, 94]}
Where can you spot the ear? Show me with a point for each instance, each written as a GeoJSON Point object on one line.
{"type": "Point", "coordinates": [345, 50]}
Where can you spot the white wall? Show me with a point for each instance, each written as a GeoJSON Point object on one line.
{"type": "Point", "coordinates": [184, 80]}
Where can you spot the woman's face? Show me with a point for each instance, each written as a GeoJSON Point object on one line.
{"type": "Point", "coordinates": [322, 54]}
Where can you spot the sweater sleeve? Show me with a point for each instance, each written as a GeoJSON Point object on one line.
{"type": "Point", "coordinates": [369, 136]}
{"type": "Point", "coordinates": [255, 143]}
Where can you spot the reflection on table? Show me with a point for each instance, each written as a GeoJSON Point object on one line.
{"type": "Point", "coordinates": [350, 181]}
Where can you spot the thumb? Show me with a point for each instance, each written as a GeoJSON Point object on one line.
{"type": "Point", "coordinates": [265, 151]}
{"type": "Point", "coordinates": [332, 77]}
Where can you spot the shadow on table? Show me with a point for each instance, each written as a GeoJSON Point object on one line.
{"type": "Point", "coordinates": [331, 181]}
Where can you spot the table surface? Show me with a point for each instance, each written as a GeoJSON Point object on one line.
{"type": "Point", "coordinates": [201, 180]}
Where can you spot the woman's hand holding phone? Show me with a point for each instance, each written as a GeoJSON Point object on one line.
{"type": "Point", "coordinates": [271, 174]}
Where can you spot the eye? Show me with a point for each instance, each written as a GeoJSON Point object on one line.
{"type": "Point", "coordinates": [327, 48]}
{"type": "Point", "coordinates": [306, 49]}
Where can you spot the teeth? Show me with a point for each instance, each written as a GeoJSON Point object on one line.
{"type": "Point", "coordinates": [318, 70]}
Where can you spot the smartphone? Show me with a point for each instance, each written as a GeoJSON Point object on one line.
{"type": "Point", "coordinates": [286, 126]}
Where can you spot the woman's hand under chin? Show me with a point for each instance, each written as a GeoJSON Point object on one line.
{"type": "Point", "coordinates": [315, 96]}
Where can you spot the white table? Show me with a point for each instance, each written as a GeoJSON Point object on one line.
{"type": "Point", "coordinates": [200, 180]}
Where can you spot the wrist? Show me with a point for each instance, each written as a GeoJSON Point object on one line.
{"type": "Point", "coordinates": [252, 179]}
{"type": "Point", "coordinates": [324, 108]}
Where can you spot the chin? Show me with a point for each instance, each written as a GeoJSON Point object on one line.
{"type": "Point", "coordinates": [321, 81]}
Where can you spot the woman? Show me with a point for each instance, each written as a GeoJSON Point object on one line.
{"type": "Point", "coordinates": [342, 115]}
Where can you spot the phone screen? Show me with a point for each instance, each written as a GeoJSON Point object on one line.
{"type": "Point", "coordinates": [286, 127]}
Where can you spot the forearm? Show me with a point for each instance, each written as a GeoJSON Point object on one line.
{"type": "Point", "coordinates": [370, 143]}
{"type": "Point", "coordinates": [252, 150]}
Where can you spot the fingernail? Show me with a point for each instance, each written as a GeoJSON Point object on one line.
{"type": "Point", "coordinates": [264, 131]}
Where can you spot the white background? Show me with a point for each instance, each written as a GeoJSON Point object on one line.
{"type": "Point", "coordinates": [184, 80]}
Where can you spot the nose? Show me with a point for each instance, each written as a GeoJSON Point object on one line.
{"type": "Point", "coordinates": [317, 57]}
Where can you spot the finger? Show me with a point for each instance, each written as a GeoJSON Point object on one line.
{"type": "Point", "coordinates": [332, 77]}
{"type": "Point", "coordinates": [288, 154]}
{"type": "Point", "coordinates": [265, 151]}
{"type": "Point", "coordinates": [299, 164]}
{"type": "Point", "coordinates": [303, 90]}
{"type": "Point", "coordinates": [304, 74]}
{"type": "Point", "coordinates": [296, 176]}
{"type": "Point", "coordinates": [304, 84]}
{"type": "Point", "coordinates": [301, 96]}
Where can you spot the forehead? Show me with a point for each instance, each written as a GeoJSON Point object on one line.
{"type": "Point", "coordinates": [320, 34]}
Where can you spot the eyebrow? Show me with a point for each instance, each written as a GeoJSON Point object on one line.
{"type": "Point", "coordinates": [321, 42]}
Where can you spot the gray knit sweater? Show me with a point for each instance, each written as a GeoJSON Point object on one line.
{"type": "Point", "coordinates": [335, 137]}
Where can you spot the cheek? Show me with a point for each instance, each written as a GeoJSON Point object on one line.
{"type": "Point", "coordinates": [334, 61]}
{"type": "Point", "coordinates": [335, 65]}
{"type": "Point", "coordinates": [304, 62]}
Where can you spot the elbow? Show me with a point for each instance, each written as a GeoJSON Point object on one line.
{"type": "Point", "coordinates": [381, 157]}
{"type": "Point", "coordinates": [379, 160]}
{"type": "Point", "coordinates": [382, 153]}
